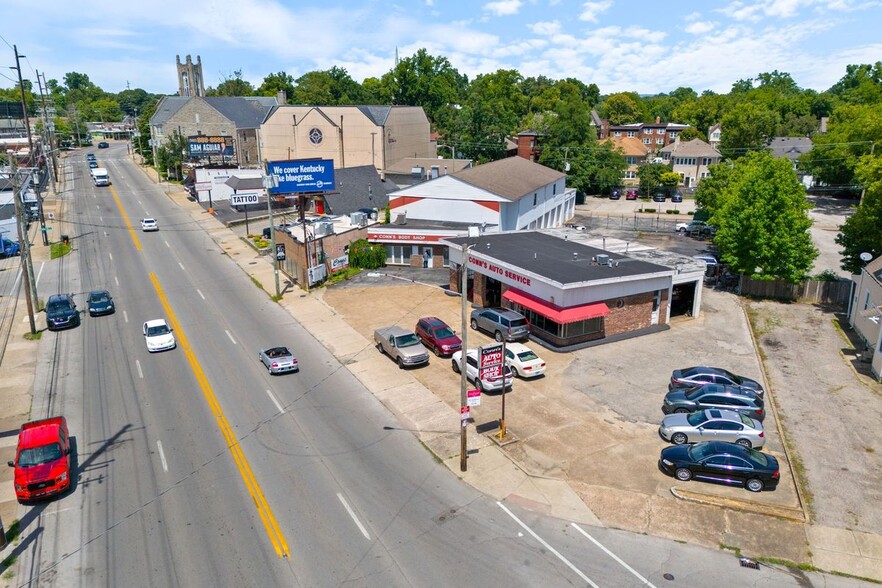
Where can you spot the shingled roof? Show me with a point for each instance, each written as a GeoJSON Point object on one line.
{"type": "Point", "coordinates": [693, 148]}
{"type": "Point", "coordinates": [511, 178]}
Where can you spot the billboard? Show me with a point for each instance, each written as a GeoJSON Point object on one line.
{"type": "Point", "coordinates": [303, 175]}
{"type": "Point", "coordinates": [206, 145]}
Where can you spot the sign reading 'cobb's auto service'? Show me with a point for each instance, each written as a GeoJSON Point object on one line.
{"type": "Point", "coordinates": [515, 277]}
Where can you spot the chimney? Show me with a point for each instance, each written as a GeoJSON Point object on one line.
{"type": "Point", "coordinates": [658, 120]}
{"type": "Point", "coordinates": [281, 98]}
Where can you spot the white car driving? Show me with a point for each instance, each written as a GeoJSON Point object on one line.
{"type": "Point", "coordinates": [523, 361]}
{"type": "Point", "coordinates": [149, 224]}
{"type": "Point", "coordinates": [158, 336]}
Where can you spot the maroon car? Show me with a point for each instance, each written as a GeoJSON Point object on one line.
{"type": "Point", "coordinates": [437, 335]}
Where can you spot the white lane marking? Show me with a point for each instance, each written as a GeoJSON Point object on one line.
{"type": "Point", "coordinates": [138, 365]}
{"type": "Point", "coordinates": [273, 398]}
{"type": "Point", "coordinates": [547, 546]}
{"type": "Point", "coordinates": [230, 336]}
{"type": "Point", "coordinates": [40, 273]}
{"type": "Point", "coordinates": [101, 218]}
{"type": "Point", "coordinates": [162, 456]}
{"type": "Point", "coordinates": [166, 244]}
{"type": "Point", "coordinates": [110, 255]}
{"type": "Point", "coordinates": [115, 279]}
{"type": "Point", "coordinates": [354, 518]}
{"type": "Point", "coordinates": [182, 265]}
{"type": "Point", "coordinates": [613, 555]}
{"type": "Point", "coordinates": [126, 316]}
{"type": "Point", "coordinates": [201, 295]}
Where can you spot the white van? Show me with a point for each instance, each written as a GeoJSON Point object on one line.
{"type": "Point", "coordinates": [100, 176]}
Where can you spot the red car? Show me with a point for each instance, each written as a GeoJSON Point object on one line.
{"type": "Point", "coordinates": [437, 335]}
{"type": "Point", "coordinates": [631, 195]}
{"type": "Point", "coordinates": [42, 459]}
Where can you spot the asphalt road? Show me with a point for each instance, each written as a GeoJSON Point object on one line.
{"type": "Point", "coordinates": [194, 467]}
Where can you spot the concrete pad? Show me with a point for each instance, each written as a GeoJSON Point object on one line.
{"type": "Point", "coordinates": [565, 503]}
{"type": "Point", "coordinates": [870, 545]}
{"type": "Point", "coordinates": [764, 536]}
{"type": "Point", "coordinates": [489, 472]}
{"type": "Point", "coordinates": [848, 564]}
{"type": "Point", "coordinates": [699, 524]}
{"type": "Point", "coordinates": [618, 509]}
{"type": "Point", "coordinates": [832, 539]}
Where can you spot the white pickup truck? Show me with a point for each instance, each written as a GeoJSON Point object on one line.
{"type": "Point", "coordinates": [100, 176]}
{"type": "Point", "coordinates": [401, 345]}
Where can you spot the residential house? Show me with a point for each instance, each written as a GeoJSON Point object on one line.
{"type": "Point", "coordinates": [792, 148]}
{"type": "Point", "coordinates": [528, 145]}
{"type": "Point", "coordinates": [713, 135]}
{"type": "Point", "coordinates": [654, 135]}
{"type": "Point", "coordinates": [865, 311]}
{"type": "Point", "coordinates": [635, 152]}
{"type": "Point", "coordinates": [690, 160]}
{"type": "Point", "coordinates": [223, 116]}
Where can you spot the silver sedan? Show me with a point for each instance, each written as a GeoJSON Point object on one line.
{"type": "Point", "coordinates": [278, 360]}
{"type": "Point", "coordinates": [712, 425]}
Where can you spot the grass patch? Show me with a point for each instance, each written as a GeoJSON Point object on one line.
{"type": "Point", "coordinates": [342, 275]}
{"type": "Point", "coordinates": [276, 298]}
{"type": "Point", "coordinates": [732, 548]}
{"type": "Point", "coordinates": [8, 574]}
{"type": "Point", "coordinates": [33, 336]}
{"type": "Point", "coordinates": [798, 469]}
{"type": "Point", "coordinates": [256, 282]}
{"type": "Point", "coordinates": [59, 249]}
{"type": "Point", "coordinates": [14, 531]}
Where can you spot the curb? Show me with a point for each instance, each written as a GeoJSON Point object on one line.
{"type": "Point", "coordinates": [782, 512]}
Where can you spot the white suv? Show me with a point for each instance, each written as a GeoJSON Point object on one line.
{"type": "Point", "coordinates": [485, 385]}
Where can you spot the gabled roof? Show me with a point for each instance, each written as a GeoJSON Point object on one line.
{"type": "Point", "coordinates": [168, 105]}
{"type": "Point", "coordinates": [356, 188]}
{"type": "Point", "coordinates": [244, 112]}
{"type": "Point", "coordinates": [511, 178]}
{"type": "Point", "coordinates": [874, 269]}
{"type": "Point", "coordinates": [629, 145]}
{"type": "Point", "coordinates": [789, 147]}
{"type": "Point", "coordinates": [377, 114]}
{"type": "Point", "coordinates": [693, 148]}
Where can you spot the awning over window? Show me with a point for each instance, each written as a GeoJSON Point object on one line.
{"type": "Point", "coordinates": [556, 313]}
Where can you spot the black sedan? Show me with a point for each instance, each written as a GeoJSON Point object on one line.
{"type": "Point", "coordinates": [693, 376]}
{"type": "Point", "coordinates": [714, 396]}
{"type": "Point", "coordinates": [100, 302]}
{"type": "Point", "coordinates": [722, 463]}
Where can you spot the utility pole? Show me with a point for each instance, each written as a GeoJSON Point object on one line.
{"type": "Point", "coordinates": [26, 267]}
{"type": "Point", "coordinates": [271, 181]}
{"type": "Point", "coordinates": [31, 160]}
{"type": "Point", "coordinates": [53, 171]}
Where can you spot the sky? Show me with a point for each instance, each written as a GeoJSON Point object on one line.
{"type": "Point", "coordinates": [639, 45]}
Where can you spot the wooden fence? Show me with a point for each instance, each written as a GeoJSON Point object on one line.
{"type": "Point", "coordinates": [818, 291]}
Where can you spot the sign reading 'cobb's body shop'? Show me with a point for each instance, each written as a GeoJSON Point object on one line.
{"type": "Point", "coordinates": [304, 175]}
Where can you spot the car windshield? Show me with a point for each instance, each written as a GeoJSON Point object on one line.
{"type": "Point", "coordinates": [408, 340]}
{"type": "Point", "coordinates": [696, 418]}
{"type": "Point", "coordinates": [58, 306]}
{"type": "Point", "coordinates": [444, 333]}
{"type": "Point", "coordinates": [157, 330]}
{"type": "Point", "coordinates": [98, 298]}
{"type": "Point", "coordinates": [39, 455]}
{"type": "Point", "coordinates": [278, 352]}
{"type": "Point", "coordinates": [527, 355]}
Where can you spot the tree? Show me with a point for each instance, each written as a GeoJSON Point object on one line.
{"type": "Point", "coordinates": [690, 133]}
{"type": "Point", "coordinates": [232, 85]}
{"type": "Point", "coordinates": [861, 84]}
{"type": "Point", "coordinates": [650, 175]}
{"type": "Point", "coordinates": [712, 189]}
{"type": "Point", "coordinates": [747, 127]}
{"type": "Point", "coordinates": [622, 108]}
{"type": "Point", "coordinates": [427, 81]}
{"type": "Point", "coordinates": [862, 231]}
{"type": "Point", "coordinates": [851, 131]}
{"type": "Point", "coordinates": [669, 179]}
{"type": "Point", "coordinates": [277, 82]}
{"type": "Point", "coordinates": [171, 155]}
{"type": "Point", "coordinates": [492, 111]}
{"type": "Point", "coordinates": [762, 219]}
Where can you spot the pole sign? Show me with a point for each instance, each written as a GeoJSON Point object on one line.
{"type": "Point", "coordinates": [280, 252]}
{"type": "Point", "coordinates": [302, 175]}
{"type": "Point", "coordinates": [464, 415]}
{"type": "Point", "coordinates": [490, 361]}
{"type": "Point", "coordinates": [244, 198]}
{"type": "Point", "coordinates": [474, 397]}
{"type": "Point", "coordinates": [339, 263]}
{"type": "Point", "coordinates": [205, 145]}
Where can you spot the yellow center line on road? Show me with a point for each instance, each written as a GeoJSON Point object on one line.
{"type": "Point", "coordinates": [269, 521]}
{"type": "Point", "coordinates": [125, 217]}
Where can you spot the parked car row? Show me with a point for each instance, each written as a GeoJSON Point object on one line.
{"type": "Point", "coordinates": [715, 420]}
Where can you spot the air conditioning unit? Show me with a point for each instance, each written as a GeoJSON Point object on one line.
{"type": "Point", "coordinates": [358, 219]}
{"type": "Point", "coordinates": [323, 229]}
{"type": "Point", "coordinates": [602, 259]}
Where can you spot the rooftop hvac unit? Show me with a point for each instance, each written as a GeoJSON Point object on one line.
{"type": "Point", "coordinates": [358, 219]}
{"type": "Point", "coordinates": [324, 229]}
{"type": "Point", "coordinates": [601, 259]}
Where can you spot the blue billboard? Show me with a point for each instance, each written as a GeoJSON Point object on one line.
{"type": "Point", "coordinates": [302, 175]}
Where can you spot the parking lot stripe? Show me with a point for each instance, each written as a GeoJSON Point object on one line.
{"type": "Point", "coordinates": [614, 556]}
{"type": "Point", "coordinates": [354, 518]}
{"type": "Point", "coordinates": [547, 546]}
{"type": "Point", "coordinates": [162, 456]}
{"type": "Point", "coordinates": [138, 367]}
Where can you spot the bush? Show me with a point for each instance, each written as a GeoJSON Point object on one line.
{"type": "Point", "coordinates": [261, 243]}
{"type": "Point", "coordinates": [827, 276]}
{"type": "Point", "coordinates": [364, 255]}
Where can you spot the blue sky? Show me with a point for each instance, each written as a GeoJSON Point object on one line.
{"type": "Point", "coordinates": [638, 45]}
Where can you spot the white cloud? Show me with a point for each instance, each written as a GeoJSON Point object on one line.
{"type": "Point", "coordinates": [699, 27]}
{"type": "Point", "coordinates": [545, 28]}
{"type": "Point", "coordinates": [503, 7]}
{"type": "Point", "coordinates": [591, 10]}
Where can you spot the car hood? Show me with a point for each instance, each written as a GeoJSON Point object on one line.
{"type": "Point", "coordinates": [449, 341]}
{"type": "Point", "coordinates": [413, 351]}
{"type": "Point", "coordinates": [677, 395]}
{"type": "Point", "coordinates": [56, 314]}
{"type": "Point", "coordinates": [160, 340]}
{"type": "Point", "coordinates": [676, 453]}
{"type": "Point", "coordinates": [676, 421]}
{"type": "Point", "coordinates": [39, 473]}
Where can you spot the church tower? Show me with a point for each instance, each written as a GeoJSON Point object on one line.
{"type": "Point", "coordinates": [190, 77]}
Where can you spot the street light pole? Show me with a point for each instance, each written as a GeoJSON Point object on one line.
{"type": "Point", "coordinates": [270, 182]}
{"type": "Point", "coordinates": [464, 335]}
{"type": "Point", "coordinates": [26, 267]}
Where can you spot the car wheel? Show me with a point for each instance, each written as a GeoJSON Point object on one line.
{"type": "Point", "coordinates": [400, 363]}
{"type": "Point", "coordinates": [380, 348]}
{"type": "Point", "coordinates": [754, 485]}
{"type": "Point", "coordinates": [437, 351]}
{"type": "Point", "coordinates": [744, 443]}
{"type": "Point", "coordinates": [479, 385]}
{"type": "Point", "coordinates": [679, 438]}
{"type": "Point", "coordinates": [455, 366]}
{"type": "Point", "coordinates": [498, 336]}
{"type": "Point", "coordinates": [681, 411]}
{"type": "Point", "coordinates": [474, 324]}
{"type": "Point", "coordinates": [683, 474]}
{"type": "Point", "coordinates": [681, 230]}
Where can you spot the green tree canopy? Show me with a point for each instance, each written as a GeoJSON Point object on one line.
{"type": "Point", "coordinates": [427, 81]}
{"type": "Point", "coordinates": [275, 83]}
{"type": "Point", "coordinates": [622, 108]}
{"type": "Point", "coordinates": [232, 85]}
{"type": "Point", "coordinates": [851, 131]}
{"type": "Point", "coordinates": [650, 176]}
{"type": "Point", "coordinates": [747, 127]}
{"type": "Point", "coordinates": [862, 231]}
{"type": "Point", "coordinates": [762, 219]}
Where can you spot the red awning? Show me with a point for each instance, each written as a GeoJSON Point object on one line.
{"type": "Point", "coordinates": [556, 313]}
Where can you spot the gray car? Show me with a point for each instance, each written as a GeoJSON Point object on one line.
{"type": "Point", "coordinates": [502, 323]}
{"type": "Point", "coordinates": [710, 396]}
{"type": "Point", "coordinates": [712, 425]}
{"type": "Point", "coordinates": [278, 360]}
